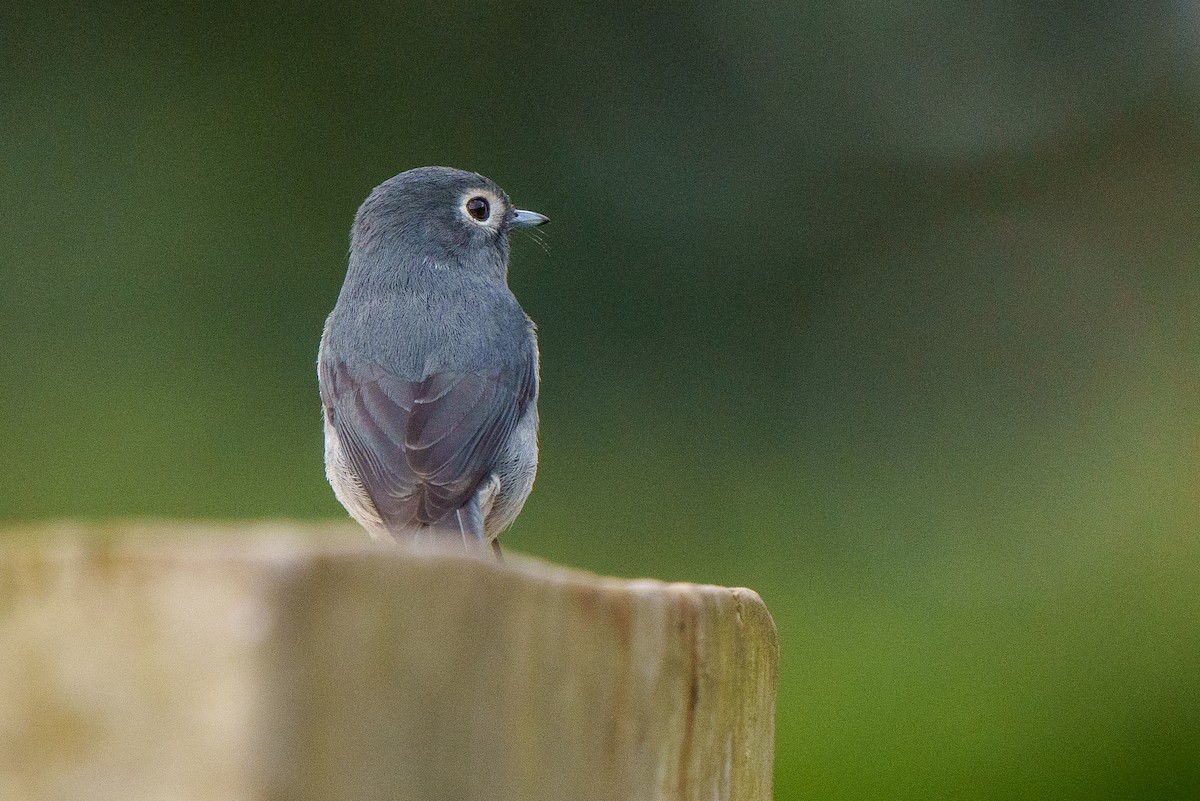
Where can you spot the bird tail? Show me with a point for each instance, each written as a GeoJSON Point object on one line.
{"type": "Point", "coordinates": [465, 525]}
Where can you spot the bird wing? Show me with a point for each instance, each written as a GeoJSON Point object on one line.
{"type": "Point", "coordinates": [422, 448]}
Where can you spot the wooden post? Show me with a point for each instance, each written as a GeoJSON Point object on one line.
{"type": "Point", "coordinates": [282, 662]}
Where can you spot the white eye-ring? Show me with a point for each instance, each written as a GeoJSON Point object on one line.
{"type": "Point", "coordinates": [482, 207]}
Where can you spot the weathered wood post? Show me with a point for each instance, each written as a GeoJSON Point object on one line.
{"type": "Point", "coordinates": [278, 664]}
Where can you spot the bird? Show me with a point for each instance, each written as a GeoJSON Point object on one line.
{"type": "Point", "coordinates": [428, 367]}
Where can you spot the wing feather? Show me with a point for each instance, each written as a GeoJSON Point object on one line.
{"type": "Point", "coordinates": [422, 448]}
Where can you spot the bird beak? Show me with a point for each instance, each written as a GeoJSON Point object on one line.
{"type": "Point", "coordinates": [527, 219]}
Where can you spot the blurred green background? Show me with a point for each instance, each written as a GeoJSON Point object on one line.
{"type": "Point", "coordinates": [888, 311]}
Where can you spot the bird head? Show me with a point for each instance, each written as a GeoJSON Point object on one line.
{"type": "Point", "coordinates": [437, 218]}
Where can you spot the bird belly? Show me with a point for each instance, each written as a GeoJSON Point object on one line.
{"type": "Point", "coordinates": [348, 489]}
{"type": "Point", "coordinates": [516, 469]}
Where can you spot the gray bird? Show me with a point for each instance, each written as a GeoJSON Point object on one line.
{"type": "Point", "coordinates": [428, 366]}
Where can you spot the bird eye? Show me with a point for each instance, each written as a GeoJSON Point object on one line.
{"type": "Point", "coordinates": [478, 208]}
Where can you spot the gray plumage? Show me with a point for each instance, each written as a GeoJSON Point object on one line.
{"type": "Point", "coordinates": [428, 366]}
